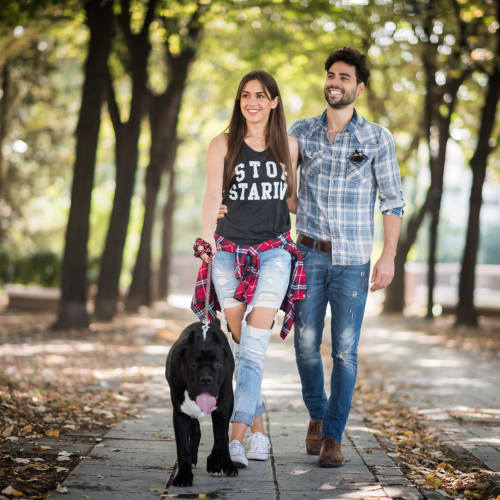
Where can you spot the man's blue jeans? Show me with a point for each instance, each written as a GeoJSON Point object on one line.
{"type": "Point", "coordinates": [345, 288]}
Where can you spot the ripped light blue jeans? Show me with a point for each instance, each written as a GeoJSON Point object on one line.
{"type": "Point", "coordinates": [345, 288]}
{"type": "Point", "coordinates": [274, 275]}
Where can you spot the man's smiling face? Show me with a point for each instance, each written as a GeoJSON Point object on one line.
{"type": "Point", "coordinates": [341, 85]}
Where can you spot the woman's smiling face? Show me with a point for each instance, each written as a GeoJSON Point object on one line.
{"type": "Point", "coordinates": [256, 103]}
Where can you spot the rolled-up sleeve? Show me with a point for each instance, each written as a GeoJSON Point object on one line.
{"type": "Point", "coordinates": [388, 176]}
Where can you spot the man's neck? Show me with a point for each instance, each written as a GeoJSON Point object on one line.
{"type": "Point", "coordinates": [337, 119]}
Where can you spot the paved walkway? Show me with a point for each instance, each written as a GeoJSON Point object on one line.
{"type": "Point", "coordinates": [457, 391]}
{"type": "Point", "coordinates": [136, 459]}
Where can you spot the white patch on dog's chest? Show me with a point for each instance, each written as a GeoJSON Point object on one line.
{"type": "Point", "coordinates": [189, 407]}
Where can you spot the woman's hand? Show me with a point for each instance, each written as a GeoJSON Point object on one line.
{"type": "Point", "coordinates": [222, 212]}
{"type": "Point", "coordinates": [203, 248]}
{"type": "Point", "coordinates": [209, 238]}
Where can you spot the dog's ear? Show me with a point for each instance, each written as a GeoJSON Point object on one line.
{"type": "Point", "coordinates": [190, 340]}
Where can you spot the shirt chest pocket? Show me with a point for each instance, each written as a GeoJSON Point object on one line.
{"type": "Point", "coordinates": [357, 165]}
{"type": "Point", "coordinates": [311, 163]}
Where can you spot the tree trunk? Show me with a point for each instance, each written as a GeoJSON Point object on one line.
{"type": "Point", "coordinates": [437, 182]}
{"type": "Point", "coordinates": [111, 263]}
{"type": "Point", "coordinates": [436, 189]}
{"type": "Point", "coordinates": [394, 301]}
{"type": "Point", "coordinates": [466, 313]}
{"type": "Point", "coordinates": [73, 303]}
{"type": "Point", "coordinates": [395, 294]}
{"type": "Point", "coordinates": [140, 289]}
{"type": "Point", "coordinates": [127, 153]}
{"type": "Point", "coordinates": [4, 110]}
{"type": "Point", "coordinates": [164, 115]}
{"type": "Point", "coordinates": [166, 251]}
{"type": "Point", "coordinates": [435, 208]}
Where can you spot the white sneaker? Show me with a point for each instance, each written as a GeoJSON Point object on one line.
{"type": "Point", "coordinates": [258, 446]}
{"type": "Point", "coordinates": [237, 454]}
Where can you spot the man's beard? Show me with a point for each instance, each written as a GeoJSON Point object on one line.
{"type": "Point", "coordinates": [344, 101]}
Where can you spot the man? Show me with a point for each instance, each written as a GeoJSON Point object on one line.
{"type": "Point", "coordinates": [343, 160]}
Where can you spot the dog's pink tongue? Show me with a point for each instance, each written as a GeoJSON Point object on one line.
{"type": "Point", "coordinates": [206, 402]}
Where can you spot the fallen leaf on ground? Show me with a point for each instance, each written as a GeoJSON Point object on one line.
{"type": "Point", "coordinates": [327, 486]}
{"type": "Point", "coordinates": [61, 489]}
{"type": "Point", "coordinates": [11, 491]}
{"type": "Point", "coordinates": [166, 437]}
{"type": "Point", "coordinates": [299, 472]}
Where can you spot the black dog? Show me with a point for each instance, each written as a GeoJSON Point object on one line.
{"type": "Point", "coordinates": [200, 374]}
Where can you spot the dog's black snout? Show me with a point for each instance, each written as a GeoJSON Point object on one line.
{"type": "Point", "coordinates": [206, 379]}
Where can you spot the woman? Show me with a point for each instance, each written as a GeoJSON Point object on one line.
{"type": "Point", "coordinates": [254, 167]}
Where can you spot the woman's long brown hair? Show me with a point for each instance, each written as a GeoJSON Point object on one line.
{"type": "Point", "coordinates": [276, 134]}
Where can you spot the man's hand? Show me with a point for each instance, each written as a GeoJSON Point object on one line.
{"type": "Point", "coordinates": [383, 272]}
{"type": "Point", "coordinates": [222, 212]}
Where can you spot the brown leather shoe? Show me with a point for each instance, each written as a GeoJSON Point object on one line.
{"type": "Point", "coordinates": [330, 454]}
{"type": "Point", "coordinates": [314, 437]}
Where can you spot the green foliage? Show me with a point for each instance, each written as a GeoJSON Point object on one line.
{"type": "Point", "coordinates": [41, 268]}
{"type": "Point", "coordinates": [45, 62]}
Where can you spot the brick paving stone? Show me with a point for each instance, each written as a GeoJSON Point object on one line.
{"type": "Point", "coordinates": [406, 492]}
{"type": "Point", "coordinates": [399, 479]}
{"type": "Point", "coordinates": [382, 471]}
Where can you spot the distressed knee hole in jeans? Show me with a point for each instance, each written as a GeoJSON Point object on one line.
{"type": "Point", "coordinates": [348, 359]}
{"type": "Point", "coordinates": [307, 344]}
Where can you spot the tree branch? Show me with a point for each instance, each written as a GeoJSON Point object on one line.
{"type": "Point", "coordinates": [113, 109]}
{"type": "Point", "coordinates": [124, 22]}
{"type": "Point", "coordinates": [148, 18]}
{"type": "Point", "coordinates": [194, 28]}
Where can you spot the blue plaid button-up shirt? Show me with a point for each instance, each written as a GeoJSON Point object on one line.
{"type": "Point", "coordinates": [339, 181]}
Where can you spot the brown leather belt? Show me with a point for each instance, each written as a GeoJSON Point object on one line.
{"type": "Point", "coordinates": [319, 245]}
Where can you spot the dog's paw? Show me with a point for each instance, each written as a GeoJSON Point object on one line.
{"type": "Point", "coordinates": [183, 478]}
{"type": "Point", "coordinates": [214, 463]}
{"type": "Point", "coordinates": [229, 468]}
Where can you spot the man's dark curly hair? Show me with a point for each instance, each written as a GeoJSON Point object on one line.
{"type": "Point", "coordinates": [353, 58]}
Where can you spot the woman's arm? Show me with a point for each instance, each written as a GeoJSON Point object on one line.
{"type": "Point", "coordinates": [294, 154]}
{"type": "Point", "coordinates": [213, 193]}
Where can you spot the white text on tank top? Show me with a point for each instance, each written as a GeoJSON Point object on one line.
{"type": "Point", "coordinates": [245, 188]}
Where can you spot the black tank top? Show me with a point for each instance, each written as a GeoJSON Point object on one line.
{"type": "Point", "coordinates": [256, 199]}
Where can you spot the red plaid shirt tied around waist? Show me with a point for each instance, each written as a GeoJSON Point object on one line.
{"type": "Point", "coordinates": [246, 270]}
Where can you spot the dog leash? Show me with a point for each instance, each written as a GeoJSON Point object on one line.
{"type": "Point", "coordinates": [197, 253]}
{"type": "Point", "coordinates": [206, 323]}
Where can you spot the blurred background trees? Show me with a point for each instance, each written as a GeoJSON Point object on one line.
{"type": "Point", "coordinates": [107, 107]}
